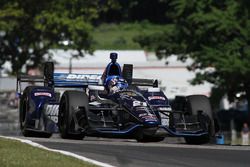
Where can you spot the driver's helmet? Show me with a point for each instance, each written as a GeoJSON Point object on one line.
{"type": "Point", "coordinates": [115, 84]}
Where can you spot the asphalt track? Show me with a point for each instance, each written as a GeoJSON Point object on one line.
{"type": "Point", "coordinates": [172, 153]}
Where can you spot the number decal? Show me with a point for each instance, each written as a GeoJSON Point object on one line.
{"type": "Point", "coordinates": [164, 120]}
{"type": "Point", "coordinates": [52, 112]}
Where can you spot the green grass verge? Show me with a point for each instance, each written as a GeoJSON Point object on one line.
{"type": "Point", "coordinates": [16, 154]}
{"type": "Point", "coordinates": [120, 36]}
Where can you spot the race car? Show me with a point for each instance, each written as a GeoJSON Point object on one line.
{"type": "Point", "coordinates": [112, 104]}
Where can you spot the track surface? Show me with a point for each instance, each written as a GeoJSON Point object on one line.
{"type": "Point", "coordinates": [123, 152]}
{"type": "Point", "coordinates": [129, 153]}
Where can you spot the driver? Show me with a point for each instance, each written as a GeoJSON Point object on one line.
{"type": "Point", "coordinates": [115, 84]}
{"type": "Point", "coordinates": [112, 76]}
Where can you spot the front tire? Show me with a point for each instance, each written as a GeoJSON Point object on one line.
{"type": "Point", "coordinates": [200, 105]}
{"type": "Point", "coordinates": [71, 117]}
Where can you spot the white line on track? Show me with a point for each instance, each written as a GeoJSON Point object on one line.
{"type": "Point", "coordinates": [59, 151]}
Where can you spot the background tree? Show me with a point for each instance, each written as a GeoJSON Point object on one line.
{"type": "Point", "coordinates": [29, 28]}
{"type": "Point", "coordinates": [136, 10]}
{"type": "Point", "coordinates": [216, 35]}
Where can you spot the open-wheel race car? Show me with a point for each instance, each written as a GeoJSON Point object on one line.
{"type": "Point", "coordinates": [112, 104]}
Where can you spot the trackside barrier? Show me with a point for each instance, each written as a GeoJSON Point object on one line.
{"type": "Point", "coordinates": [220, 139]}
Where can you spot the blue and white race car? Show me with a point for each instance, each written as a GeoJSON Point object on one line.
{"type": "Point", "coordinates": [112, 104]}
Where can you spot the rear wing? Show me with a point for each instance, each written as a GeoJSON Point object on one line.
{"type": "Point", "coordinates": [69, 80]}
{"type": "Point", "coordinates": [30, 78]}
{"type": "Point", "coordinates": [51, 79]}
{"type": "Point", "coordinates": [76, 80]}
{"type": "Point", "coordinates": [144, 82]}
{"type": "Point", "coordinates": [127, 74]}
{"type": "Point", "coordinates": [60, 80]}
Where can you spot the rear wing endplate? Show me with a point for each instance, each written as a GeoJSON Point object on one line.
{"type": "Point", "coordinates": [63, 80]}
{"type": "Point", "coordinates": [28, 79]}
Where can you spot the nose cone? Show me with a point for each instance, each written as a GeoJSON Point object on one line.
{"type": "Point", "coordinates": [151, 123]}
{"type": "Point", "coordinates": [150, 120]}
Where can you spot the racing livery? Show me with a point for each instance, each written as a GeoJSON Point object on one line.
{"type": "Point", "coordinates": [112, 104]}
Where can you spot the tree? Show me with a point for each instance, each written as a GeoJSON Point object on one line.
{"type": "Point", "coordinates": [216, 34]}
{"type": "Point", "coordinates": [29, 28]}
{"type": "Point", "coordinates": [136, 10]}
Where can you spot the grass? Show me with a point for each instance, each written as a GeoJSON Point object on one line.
{"type": "Point", "coordinates": [16, 154]}
{"type": "Point", "coordinates": [120, 36]}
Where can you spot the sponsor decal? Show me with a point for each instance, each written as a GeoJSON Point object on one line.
{"type": "Point", "coordinates": [156, 98]}
{"type": "Point", "coordinates": [139, 103]}
{"type": "Point", "coordinates": [43, 94]}
{"type": "Point", "coordinates": [164, 109]}
{"type": "Point", "coordinates": [149, 117]}
{"type": "Point", "coordinates": [82, 77]}
{"type": "Point", "coordinates": [142, 109]}
{"type": "Point", "coordinates": [144, 114]}
{"type": "Point", "coordinates": [52, 112]}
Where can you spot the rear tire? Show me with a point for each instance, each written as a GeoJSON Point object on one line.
{"type": "Point", "coordinates": [25, 107]}
{"type": "Point", "coordinates": [70, 101]}
{"type": "Point", "coordinates": [23, 115]}
{"type": "Point", "coordinates": [196, 104]}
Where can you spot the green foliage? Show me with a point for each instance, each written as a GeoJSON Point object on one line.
{"type": "Point", "coordinates": [29, 28]}
{"type": "Point", "coordinates": [121, 36]}
{"type": "Point", "coordinates": [216, 34]}
{"type": "Point", "coordinates": [135, 10]}
{"type": "Point", "coordinates": [17, 154]}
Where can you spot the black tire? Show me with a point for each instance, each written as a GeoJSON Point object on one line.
{"type": "Point", "coordinates": [25, 106]}
{"type": "Point", "coordinates": [200, 105]}
{"type": "Point", "coordinates": [69, 102]}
